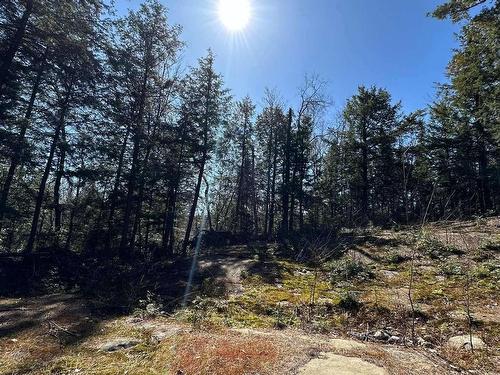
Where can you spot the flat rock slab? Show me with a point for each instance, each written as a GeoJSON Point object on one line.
{"type": "Point", "coordinates": [463, 342]}
{"type": "Point", "coordinates": [333, 364]}
{"type": "Point", "coordinates": [416, 362]}
{"type": "Point", "coordinates": [120, 343]}
{"type": "Point", "coordinates": [342, 344]}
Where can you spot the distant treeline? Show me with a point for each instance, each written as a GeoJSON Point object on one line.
{"type": "Point", "coordinates": [108, 145]}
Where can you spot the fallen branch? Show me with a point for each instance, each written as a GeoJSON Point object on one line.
{"type": "Point", "coordinates": [54, 325]}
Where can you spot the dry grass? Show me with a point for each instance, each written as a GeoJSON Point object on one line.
{"type": "Point", "coordinates": [479, 362]}
{"type": "Point", "coordinates": [224, 354]}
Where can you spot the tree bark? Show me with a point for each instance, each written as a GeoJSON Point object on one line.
{"type": "Point", "coordinates": [254, 197]}
{"type": "Point", "coordinates": [134, 170]}
{"type": "Point", "coordinates": [286, 176]}
{"type": "Point", "coordinates": [485, 202]}
{"type": "Point", "coordinates": [57, 183]}
{"type": "Point", "coordinates": [16, 158]}
{"type": "Point", "coordinates": [168, 236]}
{"type": "Point", "coordinates": [46, 172]}
{"type": "Point", "coordinates": [364, 176]}
{"type": "Point", "coordinates": [72, 217]}
{"type": "Point", "coordinates": [238, 222]}
{"type": "Point", "coordinates": [195, 203]}
{"type": "Point", "coordinates": [201, 173]}
{"type": "Point", "coordinates": [267, 199]}
{"type": "Point", "coordinates": [273, 187]}
{"type": "Point", "coordinates": [114, 193]}
{"type": "Point", "coordinates": [131, 186]}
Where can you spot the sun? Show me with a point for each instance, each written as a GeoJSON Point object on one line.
{"type": "Point", "coordinates": [235, 14]}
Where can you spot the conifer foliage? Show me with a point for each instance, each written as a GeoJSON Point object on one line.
{"type": "Point", "coordinates": [109, 146]}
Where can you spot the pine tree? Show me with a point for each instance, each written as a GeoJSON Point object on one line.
{"type": "Point", "coordinates": [474, 90]}
{"type": "Point", "coordinates": [372, 122]}
{"type": "Point", "coordinates": [204, 106]}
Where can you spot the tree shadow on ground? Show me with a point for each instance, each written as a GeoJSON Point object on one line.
{"type": "Point", "coordinates": [378, 241]}
{"type": "Point", "coordinates": [270, 271]}
{"type": "Point", "coordinates": [53, 312]}
{"type": "Point", "coordinates": [36, 330]}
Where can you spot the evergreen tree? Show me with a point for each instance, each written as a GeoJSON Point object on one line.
{"type": "Point", "coordinates": [204, 108]}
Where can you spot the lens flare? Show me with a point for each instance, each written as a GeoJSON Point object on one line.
{"type": "Point", "coordinates": [235, 14]}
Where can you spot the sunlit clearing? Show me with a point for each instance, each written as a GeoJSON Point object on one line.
{"type": "Point", "coordinates": [234, 14]}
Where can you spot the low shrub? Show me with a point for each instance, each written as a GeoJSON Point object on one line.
{"type": "Point", "coordinates": [435, 249]}
{"type": "Point", "coordinates": [395, 258]}
{"type": "Point", "coordinates": [348, 269]}
{"type": "Point", "coordinates": [450, 268]}
{"type": "Point", "coordinates": [348, 301]}
{"type": "Point", "coordinates": [492, 245]}
{"type": "Point", "coordinates": [486, 270]}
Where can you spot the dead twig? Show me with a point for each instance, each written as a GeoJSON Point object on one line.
{"type": "Point", "coordinates": [54, 326]}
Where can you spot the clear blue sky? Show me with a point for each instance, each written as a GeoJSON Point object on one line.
{"type": "Point", "coordinates": [389, 43]}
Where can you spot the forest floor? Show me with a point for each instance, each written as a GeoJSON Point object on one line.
{"type": "Point", "coordinates": [253, 310]}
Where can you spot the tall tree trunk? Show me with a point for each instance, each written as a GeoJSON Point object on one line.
{"type": "Point", "coordinates": [209, 216]}
{"type": "Point", "coordinates": [168, 224]}
{"type": "Point", "coordinates": [131, 186]}
{"type": "Point", "coordinates": [292, 199]}
{"type": "Point", "coordinates": [114, 193]}
{"type": "Point", "coordinates": [268, 185]}
{"type": "Point", "coordinates": [72, 217]}
{"type": "Point", "coordinates": [286, 175]}
{"type": "Point", "coordinates": [273, 187]}
{"type": "Point", "coordinates": [171, 227]}
{"type": "Point", "coordinates": [140, 195]}
{"type": "Point", "coordinates": [142, 182]}
{"type": "Point", "coordinates": [254, 197]}
{"type": "Point", "coordinates": [57, 183]}
{"type": "Point", "coordinates": [168, 236]}
{"type": "Point", "coordinates": [485, 203]}
{"type": "Point", "coordinates": [192, 211]}
{"type": "Point", "coordinates": [238, 214]}
{"type": "Point", "coordinates": [364, 176]}
{"type": "Point", "coordinates": [46, 172]}
{"type": "Point", "coordinates": [201, 173]}
{"type": "Point", "coordinates": [16, 158]}
{"type": "Point", "coordinates": [301, 197]}
{"type": "Point", "coordinates": [135, 169]}
{"type": "Point", "coordinates": [15, 44]}
{"type": "Point", "coordinates": [149, 148]}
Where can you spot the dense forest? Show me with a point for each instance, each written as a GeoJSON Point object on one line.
{"type": "Point", "coordinates": [111, 147]}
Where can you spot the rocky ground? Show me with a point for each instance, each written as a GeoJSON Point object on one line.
{"type": "Point", "coordinates": [255, 311]}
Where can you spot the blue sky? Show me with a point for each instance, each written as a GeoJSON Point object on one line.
{"type": "Point", "coordinates": [388, 43]}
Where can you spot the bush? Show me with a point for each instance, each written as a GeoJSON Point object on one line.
{"type": "Point", "coordinates": [492, 245]}
{"type": "Point", "coordinates": [149, 306]}
{"type": "Point", "coordinates": [348, 269]}
{"type": "Point", "coordinates": [435, 249]}
{"type": "Point", "coordinates": [348, 301]}
{"type": "Point", "coordinates": [395, 258]}
{"type": "Point", "coordinates": [213, 287]}
{"type": "Point", "coordinates": [203, 309]}
{"type": "Point", "coordinates": [486, 270]}
{"type": "Point", "coordinates": [450, 269]}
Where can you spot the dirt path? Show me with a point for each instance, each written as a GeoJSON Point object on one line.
{"type": "Point", "coordinates": [226, 271]}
